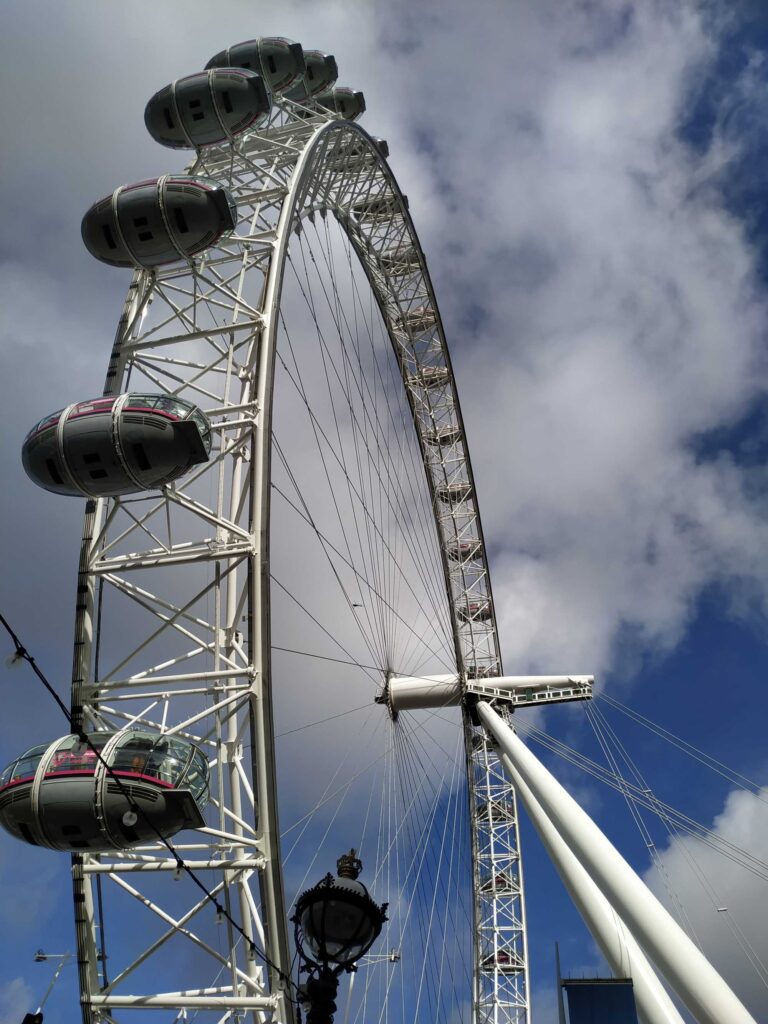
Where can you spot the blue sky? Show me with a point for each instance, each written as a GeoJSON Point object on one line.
{"type": "Point", "coordinates": [587, 182]}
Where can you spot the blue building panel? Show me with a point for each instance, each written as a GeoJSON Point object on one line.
{"type": "Point", "coordinates": [600, 1002]}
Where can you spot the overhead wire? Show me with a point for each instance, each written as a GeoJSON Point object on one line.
{"type": "Point", "coordinates": [21, 653]}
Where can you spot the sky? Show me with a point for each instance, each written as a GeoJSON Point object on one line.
{"type": "Point", "coordinates": [586, 181]}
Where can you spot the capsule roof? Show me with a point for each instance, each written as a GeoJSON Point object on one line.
{"type": "Point", "coordinates": [280, 61]}
{"type": "Point", "coordinates": [320, 74]}
{"type": "Point", "coordinates": [119, 444]}
{"type": "Point", "coordinates": [158, 221]}
{"type": "Point", "coordinates": [207, 108]}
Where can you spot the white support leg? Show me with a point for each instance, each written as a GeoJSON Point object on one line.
{"type": "Point", "coordinates": [690, 974]}
{"type": "Point", "coordinates": [625, 957]}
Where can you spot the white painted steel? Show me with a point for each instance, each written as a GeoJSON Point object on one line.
{"type": "Point", "coordinates": [619, 947]}
{"type": "Point", "coordinates": [687, 970]}
{"type": "Point", "coordinates": [413, 693]}
{"type": "Point", "coordinates": [278, 176]}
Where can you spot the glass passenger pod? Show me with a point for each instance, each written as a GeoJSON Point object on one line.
{"type": "Point", "coordinates": [464, 550]}
{"type": "Point", "coordinates": [207, 108]}
{"type": "Point", "coordinates": [319, 75]}
{"type": "Point", "coordinates": [279, 61]}
{"type": "Point", "coordinates": [347, 103]}
{"type": "Point", "coordinates": [158, 221]}
{"type": "Point", "coordinates": [474, 611]}
{"type": "Point", "coordinates": [399, 262]}
{"type": "Point", "coordinates": [116, 445]}
{"type": "Point", "coordinates": [454, 494]}
{"type": "Point", "coordinates": [430, 377]}
{"type": "Point", "coordinates": [61, 796]}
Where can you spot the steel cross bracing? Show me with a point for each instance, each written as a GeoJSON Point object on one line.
{"type": "Point", "coordinates": [172, 623]}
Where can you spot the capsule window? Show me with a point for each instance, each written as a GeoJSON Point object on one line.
{"type": "Point", "coordinates": [310, 72]}
{"type": "Point", "coordinates": [181, 220]}
{"type": "Point", "coordinates": [145, 236]}
{"type": "Point", "coordinates": [25, 831]}
{"type": "Point", "coordinates": [140, 222]}
{"type": "Point", "coordinates": [226, 100]}
{"type": "Point", "coordinates": [97, 474]}
{"type": "Point", "coordinates": [108, 238]}
{"type": "Point", "coordinates": [54, 474]}
{"type": "Point", "coordinates": [168, 118]}
{"type": "Point", "coordinates": [271, 64]}
{"type": "Point", "coordinates": [199, 115]}
{"type": "Point", "coordinates": [91, 457]}
{"type": "Point", "coordinates": [141, 457]}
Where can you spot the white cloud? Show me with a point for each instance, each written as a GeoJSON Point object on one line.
{"type": "Point", "coordinates": [16, 999]}
{"type": "Point", "coordinates": [704, 881]}
{"type": "Point", "coordinates": [619, 320]}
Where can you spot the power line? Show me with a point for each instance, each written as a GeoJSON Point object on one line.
{"type": "Point", "coordinates": [22, 654]}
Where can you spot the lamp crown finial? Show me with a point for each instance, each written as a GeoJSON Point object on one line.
{"type": "Point", "coordinates": [349, 865]}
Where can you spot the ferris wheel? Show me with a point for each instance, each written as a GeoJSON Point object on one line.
{"type": "Point", "coordinates": [280, 520]}
{"type": "Point", "coordinates": [282, 557]}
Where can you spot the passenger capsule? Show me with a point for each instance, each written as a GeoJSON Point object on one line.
{"type": "Point", "coordinates": [61, 796]}
{"type": "Point", "coordinates": [206, 108]}
{"type": "Point", "coordinates": [454, 494]}
{"type": "Point", "coordinates": [443, 436]}
{"type": "Point", "coordinates": [418, 319]}
{"type": "Point", "coordinates": [158, 221]}
{"type": "Point", "coordinates": [464, 550]}
{"type": "Point", "coordinates": [116, 445]}
{"type": "Point", "coordinates": [400, 261]}
{"type": "Point", "coordinates": [279, 61]}
{"type": "Point", "coordinates": [349, 103]}
{"type": "Point", "coordinates": [378, 208]}
{"type": "Point", "coordinates": [430, 377]}
{"type": "Point", "coordinates": [474, 611]}
{"type": "Point", "coordinates": [319, 75]}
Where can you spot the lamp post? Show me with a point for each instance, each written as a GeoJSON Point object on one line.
{"type": "Point", "coordinates": [336, 923]}
{"type": "Point", "coordinates": [41, 957]}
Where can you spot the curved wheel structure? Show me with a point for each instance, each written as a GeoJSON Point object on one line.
{"type": "Point", "coordinates": [179, 601]}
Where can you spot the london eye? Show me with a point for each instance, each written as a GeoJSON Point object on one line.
{"type": "Point", "coordinates": [285, 629]}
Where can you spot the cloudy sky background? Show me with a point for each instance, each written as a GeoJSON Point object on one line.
{"type": "Point", "coordinates": [586, 180]}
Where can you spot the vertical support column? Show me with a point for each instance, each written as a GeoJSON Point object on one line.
{"type": "Point", "coordinates": [690, 974]}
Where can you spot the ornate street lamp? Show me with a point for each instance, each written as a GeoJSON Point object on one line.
{"type": "Point", "coordinates": [336, 922]}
